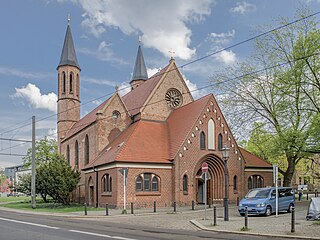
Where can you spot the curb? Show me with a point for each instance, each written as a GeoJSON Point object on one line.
{"type": "Point", "coordinates": [202, 227]}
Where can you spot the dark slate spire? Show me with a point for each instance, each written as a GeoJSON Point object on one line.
{"type": "Point", "coordinates": [68, 54]}
{"type": "Point", "coordinates": [140, 70]}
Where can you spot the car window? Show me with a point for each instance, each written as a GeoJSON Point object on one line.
{"type": "Point", "coordinates": [258, 193]}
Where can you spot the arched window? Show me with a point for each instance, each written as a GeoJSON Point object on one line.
{"type": "Point", "coordinates": [68, 154]}
{"type": "Point", "coordinates": [202, 141]}
{"type": "Point", "coordinates": [147, 182]}
{"type": "Point", "coordinates": [86, 150]}
{"type": "Point", "coordinates": [185, 184]}
{"type": "Point", "coordinates": [255, 181]}
{"type": "Point", "coordinates": [139, 184]}
{"type": "Point", "coordinates": [220, 140]}
{"type": "Point", "coordinates": [76, 154]}
{"type": "Point", "coordinates": [249, 183]}
{"type": "Point", "coordinates": [106, 183]}
{"type": "Point", "coordinates": [155, 184]}
{"type": "Point", "coordinates": [71, 81]}
{"type": "Point", "coordinates": [77, 85]}
{"type": "Point", "coordinates": [63, 82]}
{"type": "Point", "coordinates": [211, 134]}
{"type": "Point", "coordinates": [235, 183]}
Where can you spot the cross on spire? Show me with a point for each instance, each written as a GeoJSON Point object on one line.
{"type": "Point", "coordinates": [69, 19]}
{"type": "Point", "coordinates": [172, 54]}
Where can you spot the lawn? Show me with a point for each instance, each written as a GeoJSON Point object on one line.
{"type": "Point", "coordinates": [24, 203]}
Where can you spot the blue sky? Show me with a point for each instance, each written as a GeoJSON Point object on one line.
{"type": "Point", "coordinates": [106, 34]}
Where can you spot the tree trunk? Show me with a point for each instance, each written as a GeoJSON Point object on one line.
{"type": "Point", "coordinates": [288, 175]}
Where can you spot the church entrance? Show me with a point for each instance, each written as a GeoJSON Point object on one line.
{"type": "Point", "coordinates": [215, 180]}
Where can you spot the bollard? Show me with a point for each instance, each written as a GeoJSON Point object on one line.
{"type": "Point", "coordinates": [85, 209]}
{"type": "Point", "coordinates": [246, 218]}
{"type": "Point", "coordinates": [107, 210]}
{"type": "Point", "coordinates": [131, 208]}
{"type": "Point", "coordinates": [192, 205]}
{"type": "Point", "coordinates": [293, 219]}
{"type": "Point", "coordinates": [238, 201]}
{"type": "Point", "coordinates": [154, 206]}
{"type": "Point", "coordinates": [214, 216]}
{"type": "Point", "coordinates": [174, 206]}
{"type": "Point", "coordinates": [307, 196]}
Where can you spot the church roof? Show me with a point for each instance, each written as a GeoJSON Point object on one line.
{"type": "Point", "coordinates": [252, 160]}
{"type": "Point", "coordinates": [140, 70]}
{"type": "Point", "coordinates": [143, 141]}
{"type": "Point", "coordinates": [68, 54]}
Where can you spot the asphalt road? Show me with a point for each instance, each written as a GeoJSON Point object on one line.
{"type": "Point", "coordinates": [20, 226]}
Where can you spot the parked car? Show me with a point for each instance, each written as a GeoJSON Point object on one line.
{"type": "Point", "coordinates": [262, 201]}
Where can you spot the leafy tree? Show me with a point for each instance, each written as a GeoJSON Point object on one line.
{"type": "Point", "coordinates": [283, 98]}
{"type": "Point", "coordinates": [45, 150]}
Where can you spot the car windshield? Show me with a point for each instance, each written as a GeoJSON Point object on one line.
{"type": "Point", "coordinates": [258, 193]}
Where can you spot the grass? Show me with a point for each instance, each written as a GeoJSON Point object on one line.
{"type": "Point", "coordinates": [24, 203]}
{"type": "Point", "coordinates": [244, 229]}
{"type": "Point", "coordinates": [316, 222]}
{"type": "Point", "coordinates": [14, 199]}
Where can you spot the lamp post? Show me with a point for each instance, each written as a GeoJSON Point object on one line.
{"type": "Point", "coordinates": [225, 155]}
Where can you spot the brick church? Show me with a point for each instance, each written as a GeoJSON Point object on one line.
{"type": "Point", "coordinates": [157, 133]}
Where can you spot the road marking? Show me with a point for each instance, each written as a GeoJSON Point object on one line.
{"type": "Point", "coordinates": [28, 223]}
{"type": "Point", "coordinates": [101, 235]}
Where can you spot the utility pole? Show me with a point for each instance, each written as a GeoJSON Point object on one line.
{"type": "Point", "coordinates": [33, 166]}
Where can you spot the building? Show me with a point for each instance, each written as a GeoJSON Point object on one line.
{"type": "Point", "coordinates": [10, 172]}
{"type": "Point", "coordinates": [158, 133]}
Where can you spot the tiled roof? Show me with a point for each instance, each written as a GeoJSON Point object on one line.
{"type": "Point", "coordinates": [143, 141]}
{"type": "Point", "coordinates": [181, 121]}
{"type": "Point", "coordinates": [135, 99]}
{"type": "Point", "coordinates": [86, 120]}
{"type": "Point", "coordinates": [253, 160]}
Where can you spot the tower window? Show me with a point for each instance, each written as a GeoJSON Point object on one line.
{"type": "Point", "coordinates": [71, 81]}
{"type": "Point", "coordinates": [76, 154]}
{"type": "Point", "coordinates": [63, 82]}
{"type": "Point", "coordinates": [68, 154]}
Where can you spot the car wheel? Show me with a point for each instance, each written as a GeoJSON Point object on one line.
{"type": "Point", "coordinates": [290, 208]}
{"type": "Point", "coordinates": [268, 211]}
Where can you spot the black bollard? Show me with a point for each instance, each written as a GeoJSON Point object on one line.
{"type": "Point", "coordinates": [214, 216]}
{"type": "Point", "coordinates": [132, 208]}
{"type": "Point", "coordinates": [107, 210]}
{"type": "Point", "coordinates": [174, 206]}
{"type": "Point", "coordinates": [85, 209]}
{"type": "Point", "coordinates": [293, 219]}
{"type": "Point", "coordinates": [154, 206]}
{"type": "Point", "coordinates": [238, 201]}
{"type": "Point", "coordinates": [246, 218]}
{"type": "Point", "coordinates": [307, 196]}
{"type": "Point", "coordinates": [192, 205]}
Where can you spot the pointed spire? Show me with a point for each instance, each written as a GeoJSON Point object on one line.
{"type": "Point", "coordinates": [140, 70]}
{"type": "Point", "coordinates": [68, 54]}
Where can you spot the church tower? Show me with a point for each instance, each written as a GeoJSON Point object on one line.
{"type": "Point", "coordinates": [68, 86]}
{"type": "Point", "coordinates": [140, 71]}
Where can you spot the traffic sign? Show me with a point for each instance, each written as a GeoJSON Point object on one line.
{"type": "Point", "coordinates": [204, 167]}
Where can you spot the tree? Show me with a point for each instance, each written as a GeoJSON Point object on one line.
{"type": "Point", "coordinates": [45, 150]}
{"type": "Point", "coordinates": [283, 98]}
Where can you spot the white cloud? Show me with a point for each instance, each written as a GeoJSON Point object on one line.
{"type": "Point", "coordinates": [161, 23]}
{"type": "Point", "coordinates": [99, 81]}
{"type": "Point", "coordinates": [52, 133]}
{"type": "Point", "coordinates": [31, 93]}
{"type": "Point", "coordinates": [226, 57]}
{"type": "Point", "coordinates": [222, 38]}
{"type": "Point", "coordinates": [243, 7]}
{"type": "Point", "coordinates": [22, 74]}
{"type": "Point", "coordinates": [152, 71]}
{"type": "Point", "coordinates": [124, 88]}
{"type": "Point", "coordinates": [103, 53]}
{"type": "Point", "coordinates": [193, 88]}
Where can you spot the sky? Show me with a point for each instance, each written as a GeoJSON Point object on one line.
{"type": "Point", "coordinates": [105, 35]}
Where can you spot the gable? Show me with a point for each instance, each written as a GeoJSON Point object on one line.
{"type": "Point", "coordinates": [156, 106]}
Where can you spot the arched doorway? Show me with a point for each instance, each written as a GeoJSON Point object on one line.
{"type": "Point", "coordinates": [91, 191]}
{"type": "Point", "coordinates": [215, 179]}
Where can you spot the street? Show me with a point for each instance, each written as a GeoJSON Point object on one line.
{"type": "Point", "coordinates": [21, 226]}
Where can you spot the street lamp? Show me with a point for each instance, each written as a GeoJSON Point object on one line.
{"type": "Point", "coordinates": [225, 155]}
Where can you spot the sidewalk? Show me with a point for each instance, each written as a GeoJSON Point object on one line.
{"type": "Point", "coordinates": [260, 225]}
